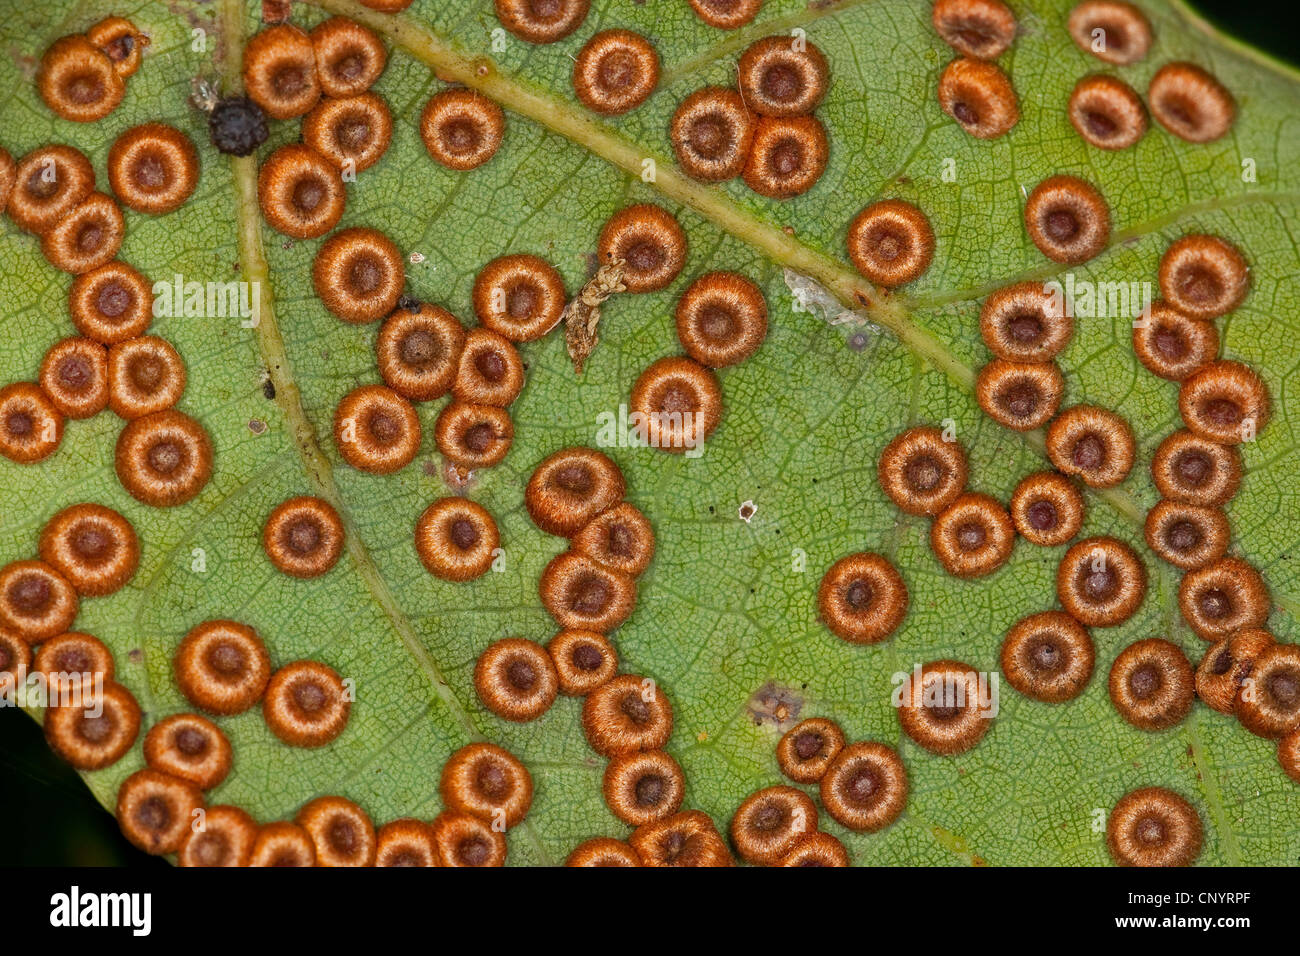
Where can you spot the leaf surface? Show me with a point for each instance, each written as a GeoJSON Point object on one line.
{"type": "Point", "coordinates": [726, 607]}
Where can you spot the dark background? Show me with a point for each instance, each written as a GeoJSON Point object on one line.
{"type": "Point", "coordinates": [1271, 25]}
{"type": "Point", "coordinates": [51, 818]}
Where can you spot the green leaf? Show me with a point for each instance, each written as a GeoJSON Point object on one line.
{"type": "Point", "coordinates": [724, 609]}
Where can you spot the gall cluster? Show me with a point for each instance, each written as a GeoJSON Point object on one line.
{"type": "Point", "coordinates": [82, 77]}
{"type": "Point", "coordinates": [223, 668]}
{"type": "Point", "coordinates": [485, 790]}
{"type": "Point", "coordinates": [862, 786]}
{"type": "Point", "coordinates": [973, 89]}
{"type": "Point", "coordinates": [721, 320]}
{"type": "Point", "coordinates": [324, 77]}
{"type": "Point", "coordinates": [590, 590]}
{"type": "Point", "coordinates": [1105, 110]}
{"type": "Point", "coordinates": [163, 456]}
{"type": "Point", "coordinates": [763, 129]}
{"type": "Point", "coordinates": [1197, 470]}
{"type": "Point", "coordinates": [86, 550]}
{"type": "Point", "coordinates": [1108, 113]}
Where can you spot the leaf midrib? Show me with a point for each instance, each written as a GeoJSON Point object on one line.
{"type": "Point", "coordinates": [585, 131]}
{"type": "Point", "coordinates": [561, 117]}
{"type": "Point", "coordinates": [319, 471]}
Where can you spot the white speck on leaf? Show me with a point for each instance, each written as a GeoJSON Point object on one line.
{"type": "Point", "coordinates": [813, 297]}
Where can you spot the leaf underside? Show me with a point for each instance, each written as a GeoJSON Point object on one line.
{"type": "Point", "coordinates": [722, 611]}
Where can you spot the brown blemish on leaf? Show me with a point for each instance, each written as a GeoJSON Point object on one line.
{"type": "Point", "coordinates": [456, 477]}
{"type": "Point", "coordinates": [275, 11]}
{"type": "Point", "coordinates": [582, 315]}
{"type": "Point", "coordinates": [775, 705]}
